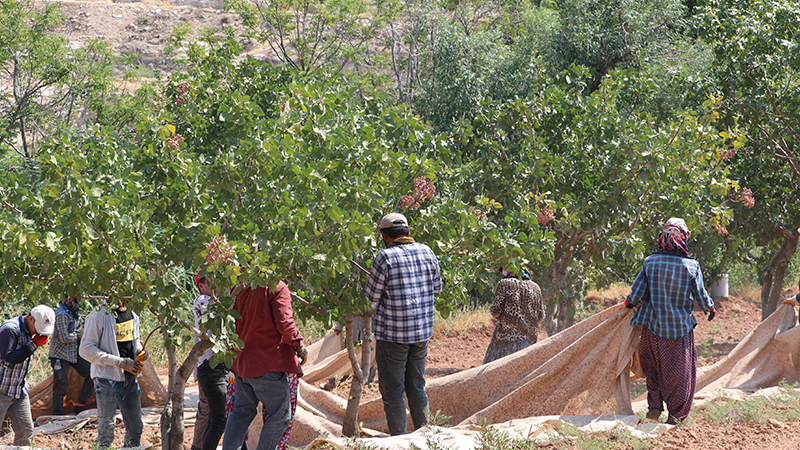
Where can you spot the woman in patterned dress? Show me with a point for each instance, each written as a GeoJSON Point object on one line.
{"type": "Point", "coordinates": [517, 309]}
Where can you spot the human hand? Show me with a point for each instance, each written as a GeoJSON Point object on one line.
{"type": "Point", "coordinates": [301, 353]}
{"type": "Point", "coordinates": [142, 355]}
{"type": "Point", "coordinates": [129, 365]}
{"type": "Point", "coordinates": [39, 339]}
{"type": "Point", "coordinates": [712, 313]}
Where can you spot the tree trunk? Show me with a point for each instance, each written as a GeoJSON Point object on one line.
{"type": "Point", "coordinates": [774, 273]}
{"type": "Point", "coordinates": [360, 372]}
{"type": "Point", "coordinates": [557, 319]}
{"type": "Point", "coordinates": [559, 286]}
{"type": "Point", "coordinates": [172, 418]}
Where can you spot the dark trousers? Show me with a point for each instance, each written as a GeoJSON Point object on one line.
{"type": "Point", "coordinates": [61, 383]}
{"type": "Point", "coordinates": [213, 383]}
{"type": "Point", "coordinates": [401, 370]}
{"type": "Point", "coordinates": [670, 369]}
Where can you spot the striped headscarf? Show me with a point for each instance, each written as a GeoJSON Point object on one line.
{"type": "Point", "coordinates": [674, 236]}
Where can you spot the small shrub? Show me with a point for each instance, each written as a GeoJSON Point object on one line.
{"type": "Point", "coordinates": [783, 407]}
{"type": "Point", "coordinates": [438, 418]}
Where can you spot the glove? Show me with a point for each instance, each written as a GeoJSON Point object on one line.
{"type": "Point", "coordinates": [129, 365]}
{"type": "Point", "coordinates": [628, 305]}
{"type": "Point", "coordinates": [142, 355]}
{"type": "Point", "coordinates": [712, 313]}
{"type": "Point", "coordinates": [39, 340]}
{"type": "Point", "coordinates": [301, 353]}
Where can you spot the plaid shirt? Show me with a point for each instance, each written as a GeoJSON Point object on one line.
{"type": "Point", "coordinates": [401, 285]}
{"type": "Point", "coordinates": [16, 348]}
{"type": "Point", "coordinates": [64, 341]}
{"type": "Point", "coordinates": [666, 287]}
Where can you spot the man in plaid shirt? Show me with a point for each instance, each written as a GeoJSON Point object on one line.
{"type": "Point", "coordinates": [401, 287]}
{"type": "Point", "coordinates": [19, 338]}
{"type": "Point", "coordinates": [64, 353]}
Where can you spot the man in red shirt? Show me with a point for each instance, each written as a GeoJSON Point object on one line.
{"type": "Point", "coordinates": [272, 345]}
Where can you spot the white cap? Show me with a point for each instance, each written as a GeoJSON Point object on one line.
{"type": "Point", "coordinates": [45, 319]}
{"type": "Point", "coordinates": [392, 220]}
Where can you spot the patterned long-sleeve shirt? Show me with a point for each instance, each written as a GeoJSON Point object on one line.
{"type": "Point", "coordinates": [200, 307]}
{"type": "Point", "coordinates": [667, 286]}
{"type": "Point", "coordinates": [16, 348]}
{"type": "Point", "coordinates": [518, 309]}
{"type": "Point", "coordinates": [401, 287]}
{"type": "Point", "coordinates": [64, 341]}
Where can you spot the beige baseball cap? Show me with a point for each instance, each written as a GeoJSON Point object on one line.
{"type": "Point", "coordinates": [45, 319]}
{"type": "Point", "coordinates": [392, 220]}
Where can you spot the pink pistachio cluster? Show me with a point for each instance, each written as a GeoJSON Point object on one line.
{"type": "Point", "coordinates": [174, 142]}
{"type": "Point", "coordinates": [545, 215]}
{"type": "Point", "coordinates": [746, 197]}
{"type": "Point", "coordinates": [219, 250]}
{"type": "Point", "coordinates": [722, 231]}
{"type": "Point", "coordinates": [725, 154]}
{"type": "Point", "coordinates": [183, 88]}
{"type": "Point", "coordinates": [480, 214]}
{"type": "Point", "coordinates": [423, 190]}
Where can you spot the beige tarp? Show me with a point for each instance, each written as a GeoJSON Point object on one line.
{"type": "Point", "coordinates": [41, 395]}
{"type": "Point", "coordinates": [582, 371]}
{"type": "Point", "coordinates": [766, 356]}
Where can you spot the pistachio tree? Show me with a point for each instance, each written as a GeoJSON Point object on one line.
{"type": "Point", "coordinates": [755, 71]}
{"type": "Point", "coordinates": [582, 183]}
{"type": "Point", "coordinates": [254, 176]}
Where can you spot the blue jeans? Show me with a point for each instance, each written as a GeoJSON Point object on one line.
{"type": "Point", "coordinates": [126, 395]}
{"type": "Point", "coordinates": [401, 369]}
{"type": "Point", "coordinates": [272, 390]}
{"type": "Point", "coordinates": [19, 411]}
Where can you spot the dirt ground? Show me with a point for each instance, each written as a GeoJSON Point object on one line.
{"type": "Point", "coordinates": [456, 351]}
{"type": "Point", "coordinates": [142, 29]}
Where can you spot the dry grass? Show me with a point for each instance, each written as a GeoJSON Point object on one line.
{"type": "Point", "coordinates": [462, 320]}
{"type": "Point", "coordinates": [750, 294]}
{"type": "Point", "coordinates": [612, 293]}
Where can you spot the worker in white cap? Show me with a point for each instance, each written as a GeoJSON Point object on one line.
{"type": "Point", "coordinates": [19, 338]}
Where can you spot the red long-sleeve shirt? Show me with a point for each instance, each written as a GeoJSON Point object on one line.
{"type": "Point", "coordinates": [268, 331]}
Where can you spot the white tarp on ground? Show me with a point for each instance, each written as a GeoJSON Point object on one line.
{"type": "Point", "coordinates": [539, 429]}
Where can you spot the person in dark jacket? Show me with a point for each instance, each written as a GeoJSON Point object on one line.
{"type": "Point", "coordinates": [19, 338]}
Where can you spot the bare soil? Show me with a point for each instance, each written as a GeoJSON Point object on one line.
{"type": "Point", "coordinates": [142, 29]}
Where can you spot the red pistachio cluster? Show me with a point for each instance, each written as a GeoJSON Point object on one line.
{"type": "Point", "coordinates": [219, 250]}
{"type": "Point", "coordinates": [545, 215]}
{"type": "Point", "coordinates": [423, 190]}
